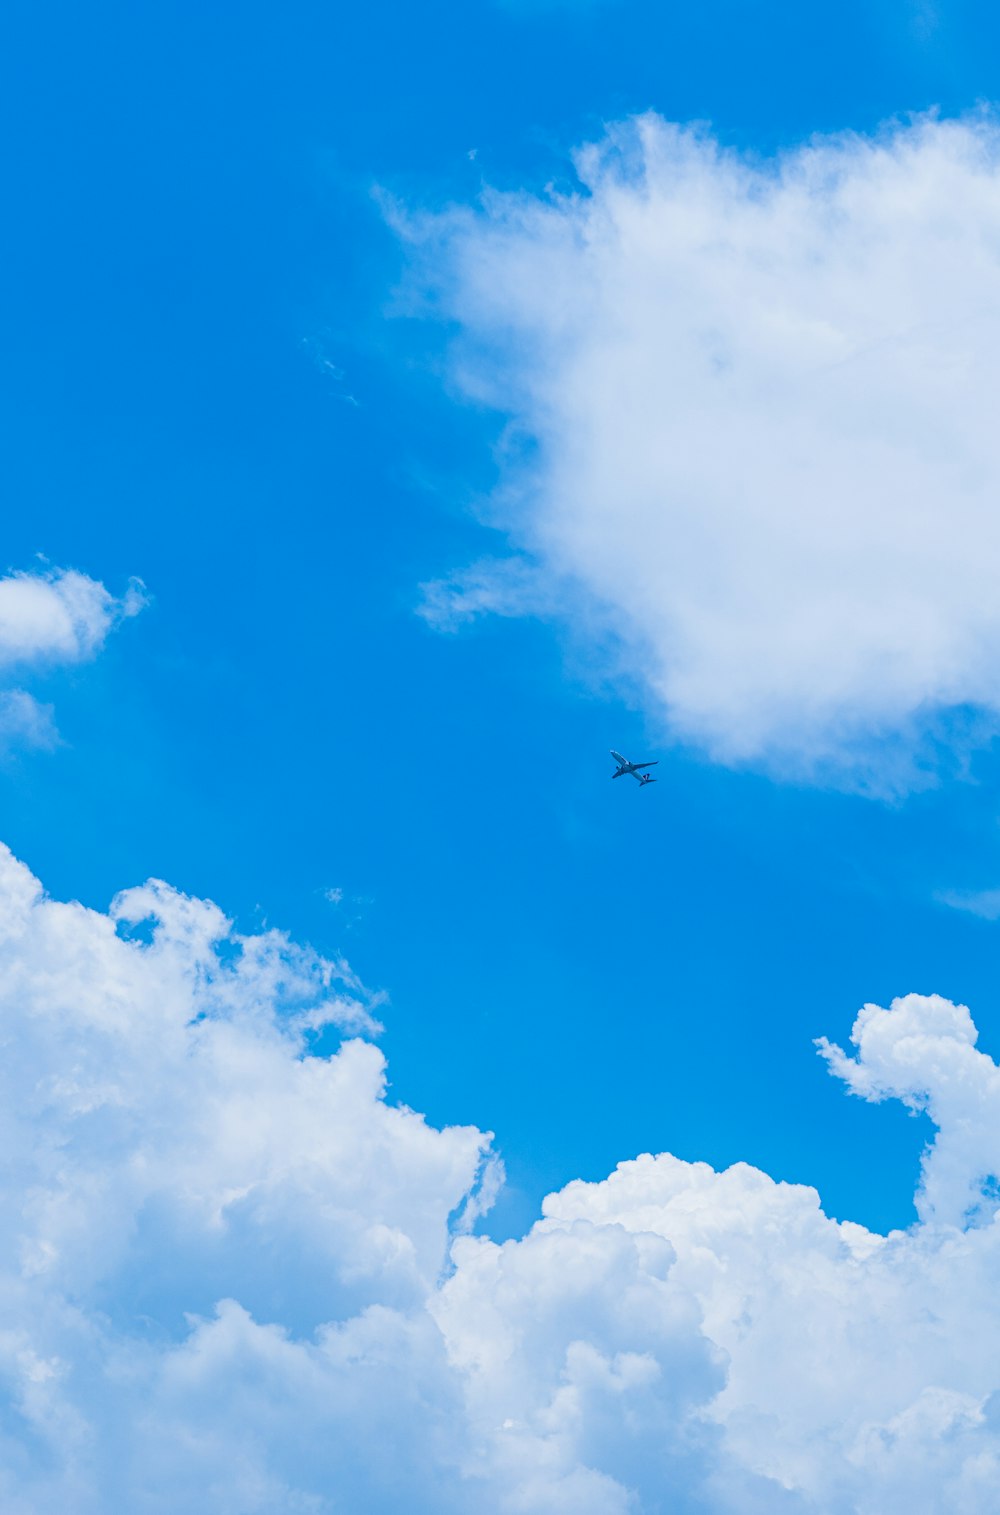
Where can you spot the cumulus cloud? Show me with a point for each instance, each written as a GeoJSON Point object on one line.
{"type": "Point", "coordinates": [751, 420]}
{"type": "Point", "coordinates": [235, 1275]}
{"type": "Point", "coordinates": [60, 616]}
{"type": "Point", "coordinates": [55, 617]}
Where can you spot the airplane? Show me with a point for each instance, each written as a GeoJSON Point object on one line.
{"type": "Point", "coordinates": [624, 766]}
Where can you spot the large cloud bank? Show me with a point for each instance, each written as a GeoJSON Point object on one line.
{"type": "Point", "coordinates": [234, 1276]}
{"type": "Point", "coordinates": [753, 431]}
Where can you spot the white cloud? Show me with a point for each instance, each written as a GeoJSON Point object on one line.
{"type": "Point", "coordinates": [924, 1053]}
{"type": "Point", "coordinates": [60, 616]}
{"type": "Point", "coordinates": [234, 1275]}
{"type": "Point", "coordinates": [862, 1371]}
{"type": "Point", "coordinates": [752, 420]}
{"type": "Point", "coordinates": [165, 1145]}
{"type": "Point", "coordinates": [56, 617]}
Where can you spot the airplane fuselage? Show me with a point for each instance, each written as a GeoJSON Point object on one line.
{"type": "Point", "coordinates": [633, 769]}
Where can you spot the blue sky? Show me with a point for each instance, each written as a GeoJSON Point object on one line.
{"type": "Point", "coordinates": [209, 385]}
{"type": "Point", "coordinates": [403, 407]}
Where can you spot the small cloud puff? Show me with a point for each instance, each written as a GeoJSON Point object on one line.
{"type": "Point", "coordinates": [60, 616]}
{"type": "Point", "coordinates": [48, 618]}
{"type": "Point", "coordinates": [229, 1265]}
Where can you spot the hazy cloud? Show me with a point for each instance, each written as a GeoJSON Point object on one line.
{"type": "Point", "coordinates": [982, 902]}
{"type": "Point", "coordinates": [24, 722]}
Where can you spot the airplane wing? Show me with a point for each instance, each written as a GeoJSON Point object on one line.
{"type": "Point", "coordinates": [646, 765]}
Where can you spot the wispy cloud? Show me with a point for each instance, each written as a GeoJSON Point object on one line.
{"type": "Point", "coordinates": [330, 370]}
{"type": "Point", "coordinates": [25, 722]}
{"type": "Point", "coordinates": [981, 902]}
{"type": "Point", "coordinates": [494, 586]}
